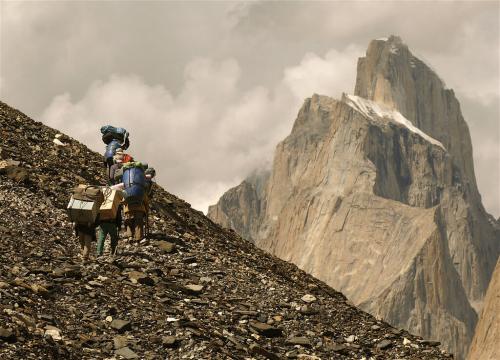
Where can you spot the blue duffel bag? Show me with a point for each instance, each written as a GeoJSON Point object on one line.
{"type": "Point", "coordinates": [110, 133]}
{"type": "Point", "coordinates": [110, 151]}
{"type": "Point", "coordinates": [134, 183]}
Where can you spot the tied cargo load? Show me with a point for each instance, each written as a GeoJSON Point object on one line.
{"type": "Point", "coordinates": [134, 182]}
{"type": "Point", "coordinates": [109, 208]}
{"type": "Point", "coordinates": [83, 207]}
{"type": "Point", "coordinates": [119, 134]}
{"type": "Point", "coordinates": [111, 150]}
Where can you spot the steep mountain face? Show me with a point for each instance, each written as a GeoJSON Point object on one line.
{"type": "Point", "coordinates": [193, 290]}
{"type": "Point", "coordinates": [391, 75]}
{"type": "Point", "coordinates": [485, 343]}
{"type": "Point", "coordinates": [375, 194]}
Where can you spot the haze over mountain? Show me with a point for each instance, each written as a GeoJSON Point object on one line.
{"type": "Point", "coordinates": [376, 195]}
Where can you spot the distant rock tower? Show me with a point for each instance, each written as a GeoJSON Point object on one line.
{"type": "Point", "coordinates": [376, 195]}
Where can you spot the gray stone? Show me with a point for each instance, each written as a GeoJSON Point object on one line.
{"type": "Point", "coordinates": [119, 342]}
{"type": "Point", "coordinates": [258, 350]}
{"type": "Point", "coordinates": [339, 348]}
{"type": "Point", "coordinates": [265, 329]}
{"type": "Point", "coordinates": [299, 340]}
{"type": "Point", "coordinates": [137, 277]}
{"type": "Point", "coordinates": [121, 325]}
{"type": "Point", "coordinates": [308, 298]}
{"type": "Point", "coordinates": [126, 353]}
{"type": "Point", "coordinates": [350, 339]}
{"type": "Point", "coordinates": [194, 289]}
{"type": "Point", "coordinates": [166, 246]}
{"type": "Point", "coordinates": [169, 341]}
{"type": "Point", "coordinates": [384, 344]}
{"type": "Point", "coordinates": [7, 335]}
{"type": "Point", "coordinates": [430, 342]}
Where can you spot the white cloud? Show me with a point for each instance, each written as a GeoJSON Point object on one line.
{"type": "Point", "coordinates": [478, 81]}
{"type": "Point", "coordinates": [45, 46]}
{"type": "Point", "coordinates": [209, 136]}
{"type": "Point", "coordinates": [329, 75]}
{"type": "Point", "coordinates": [201, 141]}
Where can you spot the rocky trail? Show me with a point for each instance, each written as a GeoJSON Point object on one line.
{"type": "Point", "coordinates": [191, 291]}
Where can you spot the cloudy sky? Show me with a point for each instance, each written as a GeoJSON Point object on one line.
{"type": "Point", "coordinates": [207, 89]}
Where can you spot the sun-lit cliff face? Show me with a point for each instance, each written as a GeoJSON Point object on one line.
{"type": "Point", "coordinates": [375, 194]}
{"type": "Point", "coordinates": [485, 343]}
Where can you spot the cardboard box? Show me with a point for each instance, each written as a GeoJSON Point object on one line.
{"type": "Point", "coordinates": [109, 207]}
{"type": "Point", "coordinates": [82, 212]}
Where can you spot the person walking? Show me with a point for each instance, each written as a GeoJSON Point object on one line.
{"type": "Point", "coordinates": [110, 221]}
{"type": "Point", "coordinates": [83, 211]}
{"type": "Point", "coordinates": [115, 171]}
{"type": "Point", "coordinates": [85, 234]}
{"type": "Point", "coordinates": [134, 220]}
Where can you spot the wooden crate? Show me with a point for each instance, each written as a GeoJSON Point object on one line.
{"type": "Point", "coordinates": [82, 212]}
{"type": "Point", "coordinates": [109, 207]}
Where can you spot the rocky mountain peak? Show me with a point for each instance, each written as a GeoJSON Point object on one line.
{"type": "Point", "coordinates": [311, 119]}
{"type": "Point", "coordinates": [391, 75]}
{"type": "Point", "coordinates": [376, 195]}
{"type": "Point", "coordinates": [388, 75]}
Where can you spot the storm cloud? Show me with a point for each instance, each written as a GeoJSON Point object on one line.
{"type": "Point", "coordinates": [207, 89]}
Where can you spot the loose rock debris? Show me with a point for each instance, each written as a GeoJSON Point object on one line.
{"type": "Point", "coordinates": [191, 291]}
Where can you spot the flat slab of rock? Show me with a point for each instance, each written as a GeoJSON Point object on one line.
{"type": "Point", "coordinates": [120, 342]}
{"type": "Point", "coordinates": [7, 335]}
{"type": "Point", "coordinates": [308, 357]}
{"type": "Point", "coordinates": [257, 350]}
{"type": "Point", "coordinates": [298, 340]}
{"type": "Point", "coordinates": [266, 329]}
{"type": "Point", "coordinates": [126, 353]}
{"type": "Point", "coordinates": [430, 342]}
{"type": "Point", "coordinates": [166, 246]}
{"type": "Point", "coordinates": [53, 332]}
{"type": "Point", "coordinates": [384, 344]}
{"type": "Point", "coordinates": [121, 325]}
{"type": "Point", "coordinates": [137, 277]}
{"type": "Point", "coordinates": [308, 310]}
{"type": "Point", "coordinates": [193, 289]}
{"type": "Point", "coordinates": [169, 341]}
{"type": "Point", "coordinates": [308, 298]}
{"type": "Point", "coordinates": [339, 348]}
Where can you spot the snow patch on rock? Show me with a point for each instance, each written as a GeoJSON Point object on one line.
{"type": "Point", "coordinates": [372, 109]}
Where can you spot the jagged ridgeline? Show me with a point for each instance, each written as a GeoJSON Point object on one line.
{"type": "Point", "coordinates": [375, 194]}
{"type": "Point", "coordinates": [194, 291]}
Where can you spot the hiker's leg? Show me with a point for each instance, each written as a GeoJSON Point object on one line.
{"type": "Point", "coordinates": [139, 226]}
{"type": "Point", "coordinates": [129, 225]}
{"type": "Point", "coordinates": [101, 239]}
{"type": "Point", "coordinates": [86, 245]}
{"type": "Point", "coordinates": [113, 233]}
{"type": "Point", "coordinates": [81, 239]}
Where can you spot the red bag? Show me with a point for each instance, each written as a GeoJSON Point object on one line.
{"type": "Point", "coordinates": [127, 158]}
